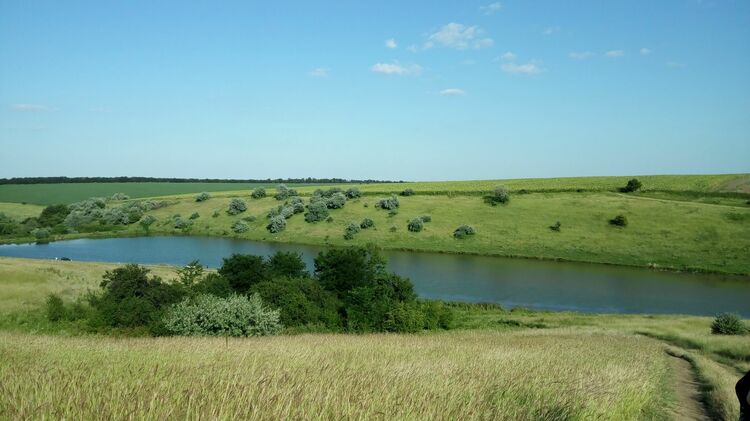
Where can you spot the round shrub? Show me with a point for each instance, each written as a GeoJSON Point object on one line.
{"type": "Point", "coordinates": [240, 226]}
{"type": "Point", "coordinates": [353, 193]}
{"type": "Point", "coordinates": [283, 192]}
{"type": "Point", "coordinates": [236, 206]}
{"type": "Point", "coordinates": [258, 193]}
{"type": "Point", "coordinates": [426, 218]}
{"type": "Point", "coordinates": [408, 192]}
{"type": "Point", "coordinates": [182, 224]}
{"type": "Point", "coordinates": [499, 196]}
{"type": "Point", "coordinates": [202, 197]}
{"type": "Point", "coordinates": [366, 223]}
{"type": "Point", "coordinates": [463, 231]}
{"type": "Point", "coordinates": [41, 234]}
{"type": "Point", "coordinates": [316, 211]}
{"type": "Point", "coordinates": [208, 315]}
{"type": "Point", "coordinates": [556, 226]}
{"type": "Point", "coordinates": [619, 221]}
{"type": "Point", "coordinates": [389, 203]}
{"type": "Point", "coordinates": [297, 205]}
{"type": "Point", "coordinates": [336, 201]}
{"type": "Point", "coordinates": [276, 224]}
{"type": "Point", "coordinates": [147, 221]}
{"type": "Point", "coordinates": [350, 230]}
{"type": "Point", "coordinates": [195, 215]}
{"type": "Point", "coordinates": [728, 324]}
{"type": "Point", "coordinates": [415, 225]}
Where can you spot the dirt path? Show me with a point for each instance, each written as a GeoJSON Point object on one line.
{"type": "Point", "coordinates": [688, 404]}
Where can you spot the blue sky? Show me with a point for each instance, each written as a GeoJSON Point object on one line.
{"type": "Point", "coordinates": [389, 90]}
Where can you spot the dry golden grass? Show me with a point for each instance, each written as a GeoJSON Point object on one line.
{"type": "Point", "coordinates": [459, 375]}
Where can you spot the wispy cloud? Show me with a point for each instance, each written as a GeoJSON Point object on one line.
{"type": "Point", "coordinates": [675, 64]}
{"type": "Point", "coordinates": [508, 56]}
{"type": "Point", "coordinates": [614, 53]}
{"type": "Point", "coordinates": [646, 51]}
{"type": "Point", "coordinates": [452, 92]}
{"type": "Point", "coordinates": [491, 9]}
{"type": "Point", "coordinates": [319, 72]}
{"type": "Point", "coordinates": [551, 30]}
{"type": "Point", "coordinates": [580, 55]}
{"type": "Point", "coordinates": [459, 36]}
{"type": "Point", "coordinates": [413, 48]}
{"type": "Point", "coordinates": [390, 43]}
{"type": "Point", "coordinates": [396, 69]}
{"type": "Point", "coordinates": [32, 108]}
{"type": "Point", "coordinates": [521, 69]}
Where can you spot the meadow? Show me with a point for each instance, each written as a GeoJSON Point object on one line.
{"type": "Point", "coordinates": [496, 363]}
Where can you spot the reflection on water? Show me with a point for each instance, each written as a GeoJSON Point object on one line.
{"type": "Point", "coordinates": [510, 282]}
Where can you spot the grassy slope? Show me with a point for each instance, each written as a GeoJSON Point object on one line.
{"type": "Point", "coordinates": [673, 234]}
{"type": "Point", "coordinates": [19, 211]}
{"type": "Point", "coordinates": [517, 365]}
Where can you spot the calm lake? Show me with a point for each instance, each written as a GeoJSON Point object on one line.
{"type": "Point", "coordinates": [509, 282]}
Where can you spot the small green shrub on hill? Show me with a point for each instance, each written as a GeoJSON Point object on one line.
{"type": "Point", "coordinates": [633, 185]}
{"type": "Point", "coordinates": [415, 225]}
{"type": "Point", "coordinates": [728, 324]}
{"type": "Point", "coordinates": [353, 193]}
{"type": "Point", "coordinates": [202, 197]}
{"type": "Point", "coordinates": [388, 203]}
{"type": "Point", "coordinates": [619, 221]}
{"type": "Point", "coordinates": [258, 193]}
{"type": "Point", "coordinates": [240, 226]}
{"type": "Point", "coordinates": [367, 223]}
{"type": "Point", "coordinates": [316, 211]}
{"type": "Point", "coordinates": [236, 206]}
{"type": "Point", "coordinates": [499, 196]}
{"type": "Point", "coordinates": [463, 231]}
{"type": "Point", "coordinates": [276, 224]}
{"type": "Point", "coordinates": [350, 230]}
{"type": "Point", "coordinates": [407, 192]}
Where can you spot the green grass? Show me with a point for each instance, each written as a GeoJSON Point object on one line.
{"type": "Point", "coordinates": [47, 194]}
{"type": "Point", "coordinates": [20, 211]}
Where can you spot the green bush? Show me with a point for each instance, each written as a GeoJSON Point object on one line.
{"type": "Point", "coordinates": [195, 216]}
{"type": "Point", "coordinates": [182, 224]}
{"type": "Point", "coordinates": [556, 226]}
{"type": "Point", "coordinates": [258, 193]}
{"type": "Point", "coordinates": [297, 205]}
{"type": "Point", "coordinates": [408, 192]}
{"type": "Point", "coordinates": [8, 226]}
{"type": "Point", "coordinates": [53, 215]}
{"type": "Point", "coordinates": [316, 211]}
{"type": "Point", "coordinates": [213, 284]}
{"type": "Point", "coordinates": [463, 231]}
{"type": "Point", "coordinates": [499, 196]}
{"type": "Point", "coordinates": [415, 225]}
{"type": "Point", "coordinates": [633, 185]}
{"type": "Point", "coordinates": [147, 221]}
{"type": "Point", "coordinates": [41, 235]}
{"type": "Point", "coordinates": [619, 221]}
{"type": "Point", "coordinates": [728, 324]}
{"type": "Point", "coordinates": [120, 196]}
{"type": "Point", "coordinates": [301, 301]}
{"type": "Point", "coordinates": [388, 203]}
{"type": "Point", "coordinates": [367, 223]}
{"type": "Point", "coordinates": [243, 271]}
{"type": "Point", "coordinates": [336, 201]}
{"type": "Point", "coordinates": [54, 308]}
{"type": "Point", "coordinates": [202, 197]}
{"type": "Point", "coordinates": [353, 193]}
{"type": "Point", "coordinates": [437, 315]}
{"type": "Point", "coordinates": [342, 269]}
{"type": "Point", "coordinates": [283, 192]}
{"type": "Point", "coordinates": [350, 231]}
{"type": "Point", "coordinates": [426, 218]}
{"type": "Point", "coordinates": [276, 224]}
{"type": "Point", "coordinates": [240, 226]}
{"type": "Point", "coordinates": [236, 206]}
{"type": "Point", "coordinates": [208, 315]}
{"type": "Point", "coordinates": [287, 264]}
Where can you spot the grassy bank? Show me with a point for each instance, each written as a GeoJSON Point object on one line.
{"type": "Point", "coordinates": [513, 364]}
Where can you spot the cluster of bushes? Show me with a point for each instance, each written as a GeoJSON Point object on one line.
{"type": "Point", "coordinates": [258, 193]}
{"type": "Point", "coordinates": [202, 197]}
{"type": "Point", "coordinates": [119, 196]}
{"type": "Point", "coordinates": [236, 206]}
{"type": "Point", "coordinates": [350, 290]}
{"type": "Point", "coordinates": [283, 192]}
{"type": "Point", "coordinates": [388, 203]}
{"type": "Point", "coordinates": [353, 193]}
{"type": "Point", "coordinates": [633, 185]}
{"type": "Point", "coordinates": [499, 196]}
{"type": "Point", "coordinates": [350, 230]}
{"type": "Point", "coordinates": [464, 231]}
{"type": "Point", "coordinates": [408, 192]}
{"type": "Point", "coordinates": [417, 224]}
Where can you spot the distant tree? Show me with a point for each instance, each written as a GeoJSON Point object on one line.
{"type": "Point", "coordinates": [236, 206]}
{"type": "Point", "coordinates": [53, 215]}
{"type": "Point", "coordinates": [633, 185]}
{"type": "Point", "coordinates": [463, 231]}
{"type": "Point", "coordinates": [258, 193]}
{"type": "Point", "coordinates": [202, 197]}
{"type": "Point", "coordinates": [415, 225]}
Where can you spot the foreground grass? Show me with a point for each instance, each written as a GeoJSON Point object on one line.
{"type": "Point", "coordinates": [466, 375]}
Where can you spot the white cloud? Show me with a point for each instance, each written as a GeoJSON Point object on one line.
{"type": "Point", "coordinates": [452, 92]}
{"type": "Point", "coordinates": [551, 30]}
{"type": "Point", "coordinates": [614, 53]}
{"type": "Point", "coordinates": [396, 69]}
{"type": "Point", "coordinates": [460, 37]}
{"type": "Point", "coordinates": [390, 43]}
{"type": "Point", "coordinates": [646, 51]}
{"type": "Point", "coordinates": [319, 72]}
{"type": "Point", "coordinates": [413, 48]}
{"type": "Point", "coordinates": [580, 55]}
{"type": "Point", "coordinates": [29, 107]}
{"type": "Point", "coordinates": [491, 9]}
{"type": "Point", "coordinates": [509, 56]}
{"type": "Point", "coordinates": [521, 69]}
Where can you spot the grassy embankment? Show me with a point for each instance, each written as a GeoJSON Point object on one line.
{"type": "Point", "coordinates": [699, 223]}
{"type": "Point", "coordinates": [496, 364]}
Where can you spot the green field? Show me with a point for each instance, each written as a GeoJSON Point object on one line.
{"type": "Point", "coordinates": [47, 194]}
{"type": "Point", "coordinates": [495, 364]}
{"type": "Point", "coordinates": [667, 229]}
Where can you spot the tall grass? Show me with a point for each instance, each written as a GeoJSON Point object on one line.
{"type": "Point", "coordinates": [464, 375]}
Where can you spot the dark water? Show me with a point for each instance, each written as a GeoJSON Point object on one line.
{"type": "Point", "coordinates": [509, 282]}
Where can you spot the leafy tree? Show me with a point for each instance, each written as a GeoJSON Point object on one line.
{"type": "Point", "coordinates": [276, 224]}
{"type": "Point", "coordinates": [258, 193]}
{"type": "Point", "coordinates": [633, 185]}
{"type": "Point", "coordinates": [213, 284]}
{"type": "Point", "coordinates": [53, 215]}
{"type": "Point", "coordinates": [342, 269]}
{"type": "Point", "coordinates": [316, 211]}
{"type": "Point", "coordinates": [208, 315]}
{"type": "Point", "coordinates": [500, 195]}
{"type": "Point", "coordinates": [464, 231]}
{"type": "Point", "coordinates": [41, 235]}
{"type": "Point", "coordinates": [202, 197]}
{"type": "Point", "coordinates": [8, 226]}
{"type": "Point", "coordinates": [243, 271]}
{"type": "Point", "coordinates": [236, 206]}
{"type": "Point", "coordinates": [190, 274]}
{"type": "Point", "coordinates": [287, 264]}
{"type": "Point", "coordinates": [301, 301]}
{"type": "Point", "coordinates": [415, 225]}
